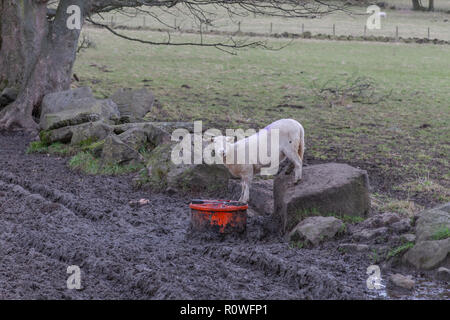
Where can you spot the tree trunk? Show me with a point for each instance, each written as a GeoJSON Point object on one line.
{"type": "Point", "coordinates": [36, 56]}
{"type": "Point", "coordinates": [431, 5]}
{"type": "Point", "coordinates": [417, 5]}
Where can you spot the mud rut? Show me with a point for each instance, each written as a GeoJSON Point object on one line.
{"type": "Point", "coordinates": [51, 217]}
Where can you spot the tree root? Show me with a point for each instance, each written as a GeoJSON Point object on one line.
{"type": "Point", "coordinates": [13, 117]}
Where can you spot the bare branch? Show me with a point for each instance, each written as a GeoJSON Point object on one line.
{"type": "Point", "coordinates": [227, 46]}
{"type": "Point", "coordinates": [206, 13]}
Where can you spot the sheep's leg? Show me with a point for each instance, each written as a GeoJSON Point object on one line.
{"type": "Point", "coordinates": [294, 157]}
{"type": "Point", "coordinates": [242, 190]}
{"type": "Point", "coordinates": [245, 193]}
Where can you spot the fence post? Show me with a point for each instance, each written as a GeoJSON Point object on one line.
{"type": "Point", "coordinates": [303, 28]}
{"type": "Point", "coordinates": [396, 33]}
{"type": "Point", "coordinates": [334, 30]}
{"type": "Point", "coordinates": [239, 26]}
{"type": "Point", "coordinates": [365, 30]}
{"type": "Point", "coordinates": [428, 32]}
{"type": "Point", "coordinates": [112, 21]}
{"type": "Point", "coordinates": [271, 28]}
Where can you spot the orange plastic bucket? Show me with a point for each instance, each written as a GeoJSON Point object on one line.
{"type": "Point", "coordinates": [224, 216]}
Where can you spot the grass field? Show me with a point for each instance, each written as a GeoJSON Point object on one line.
{"type": "Point", "coordinates": [403, 140]}
{"type": "Point", "coordinates": [409, 23]}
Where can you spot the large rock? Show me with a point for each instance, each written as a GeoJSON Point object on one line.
{"type": "Point", "coordinates": [7, 96]}
{"type": "Point", "coordinates": [325, 189]}
{"type": "Point", "coordinates": [171, 126]}
{"type": "Point", "coordinates": [430, 222]}
{"type": "Point", "coordinates": [401, 283]}
{"type": "Point", "coordinates": [381, 220]}
{"type": "Point", "coordinates": [155, 134]}
{"type": "Point", "coordinates": [198, 178]}
{"type": "Point", "coordinates": [168, 126]}
{"type": "Point", "coordinates": [261, 194]}
{"type": "Point", "coordinates": [163, 174]}
{"type": "Point", "coordinates": [402, 226]}
{"type": "Point", "coordinates": [317, 229]}
{"type": "Point", "coordinates": [81, 111]}
{"type": "Point", "coordinates": [369, 234]}
{"type": "Point", "coordinates": [133, 103]}
{"type": "Point", "coordinates": [428, 254]}
{"type": "Point", "coordinates": [443, 274]}
{"type": "Point", "coordinates": [432, 246]}
{"type": "Point", "coordinates": [91, 131]}
{"type": "Point", "coordinates": [63, 135]}
{"type": "Point", "coordinates": [115, 151]}
{"type": "Point", "coordinates": [135, 138]}
{"type": "Point", "coordinates": [63, 100]}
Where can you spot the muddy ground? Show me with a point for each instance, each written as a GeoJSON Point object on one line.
{"type": "Point", "coordinates": [52, 217]}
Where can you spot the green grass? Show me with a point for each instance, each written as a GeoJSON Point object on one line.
{"type": "Point", "coordinates": [350, 219]}
{"type": "Point", "coordinates": [84, 157]}
{"type": "Point", "coordinates": [85, 162]}
{"type": "Point", "coordinates": [385, 203]}
{"type": "Point", "coordinates": [442, 233]}
{"type": "Point", "coordinates": [88, 164]}
{"type": "Point", "coordinates": [374, 256]}
{"type": "Point", "coordinates": [425, 185]}
{"type": "Point", "coordinates": [297, 244]}
{"type": "Point", "coordinates": [398, 250]}
{"type": "Point", "coordinates": [401, 138]}
{"type": "Point", "coordinates": [87, 143]}
{"type": "Point", "coordinates": [37, 147]}
{"type": "Point", "coordinates": [344, 218]}
{"type": "Point", "coordinates": [55, 148]}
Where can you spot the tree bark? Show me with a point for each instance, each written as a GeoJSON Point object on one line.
{"type": "Point", "coordinates": [36, 56]}
{"type": "Point", "coordinates": [431, 5]}
{"type": "Point", "coordinates": [417, 5]}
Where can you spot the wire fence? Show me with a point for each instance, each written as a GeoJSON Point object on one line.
{"type": "Point", "coordinates": [394, 28]}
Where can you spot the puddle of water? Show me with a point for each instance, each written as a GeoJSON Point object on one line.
{"type": "Point", "coordinates": [424, 289]}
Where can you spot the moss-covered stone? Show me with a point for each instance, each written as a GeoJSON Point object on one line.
{"type": "Point", "coordinates": [45, 137]}
{"type": "Point", "coordinates": [136, 138]}
{"type": "Point", "coordinates": [192, 178]}
{"type": "Point", "coordinates": [84, 110]}
{"type": "Point", "coordinates": [115, 151]}
{"type": "Point", "coordinates": [90, 132]}
{"type": "Point", "coordinates": [95, 148]}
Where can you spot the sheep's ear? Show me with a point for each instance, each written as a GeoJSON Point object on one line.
{"type": "Point", "coordinates": [229, 139]}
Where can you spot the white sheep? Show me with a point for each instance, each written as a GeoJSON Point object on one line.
{"type": "Point", "coordinates": [291, 144]}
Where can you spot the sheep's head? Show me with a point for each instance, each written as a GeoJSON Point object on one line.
{"type": "Point", "coordinates": [221, 143]}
